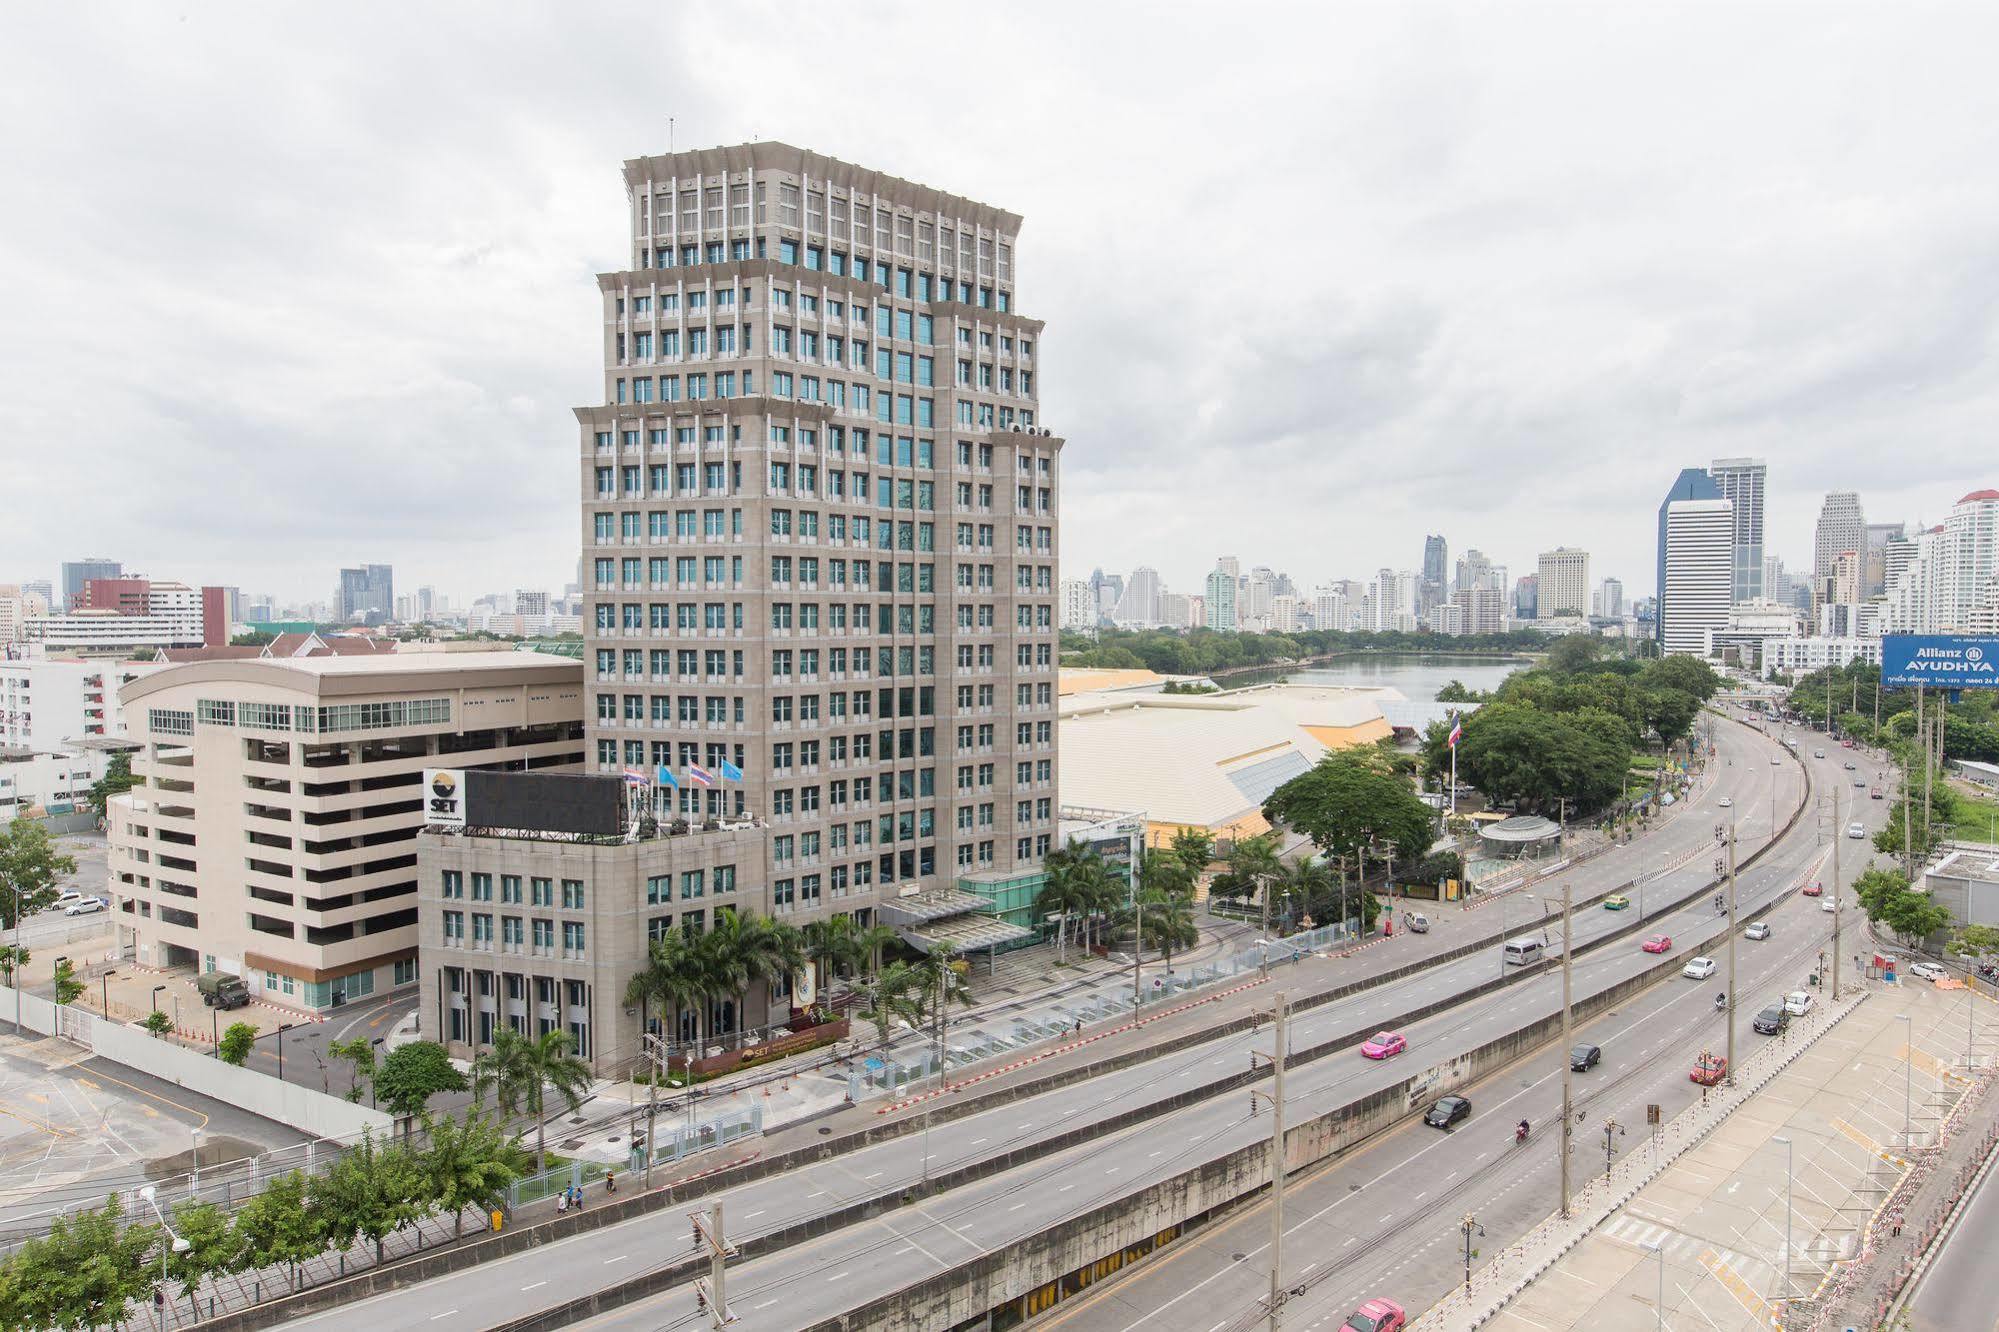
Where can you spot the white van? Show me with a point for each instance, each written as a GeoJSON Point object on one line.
{"type": "Point", "coordinates": [1523, 952]}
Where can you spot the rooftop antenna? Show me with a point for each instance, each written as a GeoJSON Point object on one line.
{"type": "Point", "coordinates": [669, 135]}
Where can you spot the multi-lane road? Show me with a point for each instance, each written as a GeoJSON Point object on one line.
{"type": "Point", "coordinates": [846, 1267]}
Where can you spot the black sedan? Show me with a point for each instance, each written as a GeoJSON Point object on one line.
{"type": "Point", "coordinates": [1585, 1057]}
{"type": "Point", "coordinates": [1772, 1020]}
{"type": "Point", "coordinates": [1448, 1112]}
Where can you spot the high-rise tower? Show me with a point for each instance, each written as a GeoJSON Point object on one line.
{"type": "Point", "coordinates": [819, 518]}
{"type": "Point", "coordinates": [1741, 482]}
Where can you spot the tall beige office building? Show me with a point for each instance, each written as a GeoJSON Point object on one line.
{"type": "Point", "coordinates": [1562, 583]}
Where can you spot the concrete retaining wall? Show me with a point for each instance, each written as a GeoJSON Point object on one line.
{"type": "Point", "coordinates": [306, 1110]}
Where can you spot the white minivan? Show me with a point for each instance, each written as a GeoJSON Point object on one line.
{"type": "Point", "coordinates": [1523, 952]}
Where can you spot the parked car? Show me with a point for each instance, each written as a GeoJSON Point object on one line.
{"type": "Point", "coordinates": [1828, 906]}
{"type": "Point", "coordinates": [1775, 759]}
{"type": "Point", "coordinates": [1448, 1112]}
{"type": "Point", "coordinates": [1874, 794]}
{"type": "Point", "coordinates": [1616, 902]}
{"type": "Point", "coordinates": [1818, 753]}
{"type": "Point", "coordinates": [1726, 803]}
{"type": "Point", "coordinates": [1698, 968]}
{"type": "Point", "coordinates": [1860, 779]}
{"type": "Point", "coordinates": [85, 906]}
{"type": "Point", "coordinates": [68, 899]}
{"type": "Point", "coordinates": [1376, 1316]}
{"type": "Point", "coordinates": [1709, 1070]}
{"type": "Point", "coordinates": [1384, 1044]}
{"type": "Point", "coordinates": [1812, 889]}
{"type": "Point", "coordinates": [1419, 923]}
{"type": "Point", "coordinates": [1771, 1020]}
{"type": "Point", "coordinates": [1798, 1003]}
{"type": "Point", "coordinates": [1757, 930]}
{"type": "Point", "coordinates": [1658, 943]}
{"type": "Point", "coordinates": [221, 990]}
{"type": "Point", "coordinates": [1849, 766]}
{"type": "Point", "coordinates": [1585, 1057]}
{"type": "Point", "coordinates": [1929, 971]}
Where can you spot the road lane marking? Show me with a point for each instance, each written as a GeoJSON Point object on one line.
{"type": "Point", "coordinates": [536, 1286]}
{"type": "Point", "coordinates": [446, 1314]}
{"type": "Point", "coordinates": [619, 1259]}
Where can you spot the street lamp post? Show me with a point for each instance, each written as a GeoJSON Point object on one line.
{"type": "Point", "coordinates": [156, 998]}
{"type": "Point", "coordinates": [104, 985]}
{"type": "Point", "coordinates": [1468, 1226]}
{"type": "Point", "coordinates": [1659, 1321]}
{"type": "Point", "coordinates": [195, 1186]}
{"type": "Point", "coordinates": [1785, 1291]}
{"type": "Point", "coordinates": [1611, 1130]}
{"type": "Point", "coordinates": [283, 1027]}
{"type": "Point", "coordinates": [371, 1077]}
{"type": "Point", "coordinates": [178, 1245]}
{"type": "Point", "coordinates": [14, 971]}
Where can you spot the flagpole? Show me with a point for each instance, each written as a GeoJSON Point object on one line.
{"type": "Point", "coordinates": [1454, 778]}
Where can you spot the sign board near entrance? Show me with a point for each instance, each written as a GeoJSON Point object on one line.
{"type": "Point", "coordinates": [1948, 661]}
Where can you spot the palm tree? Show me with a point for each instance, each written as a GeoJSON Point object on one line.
{"type": "Point", "coordinates": [1169, 922]}
{"type": "Point", "coordinates": [1062, 896]}
{"type": "Point", "coordinates": [519, 1070]}
{"type": "Point", "coordinates": [1102, 892]}
{"type": "Point", "coordinates": [1309, 885]}
{"type": "Point", "coordinates": [833, 945]}
{"type": "Point", "coordinates": [943, 979]}
{"type": "Point", "coordinates": [726, 951]}
{"type": "Point", "coordinates": [871, 940]}
{"type": "Point", "coordinates": [890, 1000]}
{"type": "Point", "coordinates": [776, 951]}
{"type": "Point", "coordinates": [1254, 860]}
{"type": "Point", "coordinates": [672, 978]}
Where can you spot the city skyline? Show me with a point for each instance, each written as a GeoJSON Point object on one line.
{"type": "Point", "coordinates": [1496, 367]}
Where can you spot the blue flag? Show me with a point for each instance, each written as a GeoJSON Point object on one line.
{"type": "Point", "coordinates": [666, 777]}
{"type": "Point", "coordinates": [730, 772]}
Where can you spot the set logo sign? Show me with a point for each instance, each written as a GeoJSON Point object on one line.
{"type": "Point", "coordinates": [1949, 661]}
{"type": "Point", "coordinates": [444, 797]}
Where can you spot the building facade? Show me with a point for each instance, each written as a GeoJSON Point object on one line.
{"type": "Point", "coordinates": [367, 593]}
{"type": "Point", "coordinates": [1693, 483]}
{"type": "Point", "coordinates": [1220, 595]}
{"type": "Point", "coordinates": [1698, 584]}
{"type": "Point", "coordinates": [75, 573]}
{"type": "Point", "coordinates": [126, 617]}
{"type": "Point", "coordinates": [1841, 530]}
{"type": "Point", "coordinates": [1741, 481]}
{"type": "Point", "coordinates": [1801, 656]}
{"type": "Point", "coordinates": [48, 702]}
{"type": "Point", "coordinates": [1562, 583]}
{"type": "Point", "coordinates": [273, 830]}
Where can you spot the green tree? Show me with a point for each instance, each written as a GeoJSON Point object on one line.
{"type": "Point", "coordinates": [1194, 848]}
{"type": "Point", "coordinates": [213, 1248]}
{"type": "Point", "coordinates": [1573, 653]}
{"type": "Point", "coordinates": [1516, 752]}
{"type": "Point", "coordinates": [834, 947]}
{"type": "Point", "coordinates": [469, 1163]}
{"type": "Point", "coordinates": [941, 980]}
{"type": "Point", "coordinates": [67, 986]}
{"type": "Point", "coordinates": [520, 1071]}
{"type": "Point", "coordinates": [412, 1074]}
{"type": "Point", "coordinates": [1914, 916]}
{"type": "Point", "coordinates": [10, 958]}
{"type": "Point", "coordinates": [1978, 940]}
{"type": "Point", "coordinates": [238, 1039]}
{"type": "Point", "coordinates": [116, 781]}
{"type": "Point", "coordinates": [1253, 865]}
{"type": "Point", "coordinates": [88, 1268]}
{"type": "Point", "coordinates": [1348, 802]}
{"type": "Point", "coordinates": [372, 1191]}
{"type": "Point", "coordinates": [359, 1052]}
{"type": "Point", "coordinates": [1876, 888]}
{"type": "Point", "coordinates": [31, 865]}
{"type": "Point", "coordinates": [1167, 921]}
{"type": "Point", "coordinates": [278, 1228]}
{"type": "Point", "coordinates": [1064, 897]}
{"type": "Point", "coordinates": [158, 1023]}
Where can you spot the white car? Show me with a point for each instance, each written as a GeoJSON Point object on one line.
{"type": "Point", "coordinates": [1818, 753]}
{"type": "Point", "coordinates": [1775, 759]}
{"type": "Point", "coordinates": [68, 898]}
{"type": "Point", "coordinates": [1929, 971]}
{"type": "Point", "coordinates": [1757, 930]}
{"type": "Point", "coordinates": [84, 907]}
{"type": "Point", "coordinates": [1827, 905]}
{"type": "Point", "coordinates": [1797, 1003]}
{"type": "Point", "coordinates": [1699, 968]}
{"type": "Point", "coordinates": [1726, 803]}
{"type": "Point", "coordinates": [1856, 831]}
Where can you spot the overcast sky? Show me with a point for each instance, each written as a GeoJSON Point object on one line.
{"type": "Point", "coordinates": [285, 288]}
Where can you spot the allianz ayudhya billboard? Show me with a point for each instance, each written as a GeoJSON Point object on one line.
{"type": "Point", "coordinates": [1947, 661]}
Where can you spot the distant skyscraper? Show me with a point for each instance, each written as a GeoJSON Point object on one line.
{"type": "Point", "coordinates": [1562, 582]}
{"type": "Point", "coordinates": [1079, 604]}
{"type": "Point", "coordinates": [1741, 481]}
{"type": "Point", "coordinates": [1138, 608]}
{"type": "Point", "coordinates": [1691, 484]}
{"type": "Point", "coordinates": [1875, 577]}
{"type": "Point", "coordinates": [368, 590]}
{"type": "Point", "coordinates": [1697, 587]}
{"type": "Point", "coordinates": [1221, 594]}
{"type": "Point", "coordinates": [1610, 599]}
{"type": "Point", "coordinates": [1436, 570]}
{"type": "Point", "coordinates": [1842, 527]}
{"type": "Point", "coordinates": [75, 573]}
{"type": "Point", "coordinates": [1527, 597]}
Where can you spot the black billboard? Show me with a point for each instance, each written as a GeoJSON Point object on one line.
{"type": "Point", "coordinates": [545, 802]}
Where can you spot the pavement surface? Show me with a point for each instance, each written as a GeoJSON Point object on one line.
{"type": "Point", "coordinates": [1712, 1226]}
{"type": "Point", "coordinates": [1960, 1291]}
{"type": "Point", "coordinates": [74, 1127]}
{"type": "Point", "coordinates": [844, 1268]}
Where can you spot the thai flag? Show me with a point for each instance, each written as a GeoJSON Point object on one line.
{"type": "Point", "coordinates": [700, 776]}
{"type": "Point", "coordinates": [1457, 729]}
{"type": "Point", "coordinates": [633, 777]}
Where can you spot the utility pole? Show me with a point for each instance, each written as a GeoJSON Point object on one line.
{"type": "Point", "coordinates": [1468, 1226]}
{"type": "Point", "coordinates": [709, 1293]}
{"type": "Point", "coordinates": [655, 1058]}
{"type": "Point", "coordinates": [1568, 1064]}
{"type": "Point", "coordinates": [1138, 949]}
{"type": "Point", "coordinates": [1263, 896]}
{"type": "Point", "coordinates": [1731, 946]}
{"type": "Point", "coordinates": [1280, 1024]}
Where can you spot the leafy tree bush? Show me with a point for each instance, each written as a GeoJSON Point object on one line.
{"type": "Point", "coordinates": [31, 865]}
{"type": "Point", "coordinates": [158, 1023]}
{"type": "Point", "coordinates": [414, 1073]}
{"type": "Point", "coordinates": [1349, 802]}
{"type": "Point", "coordinates": [238, 1039]}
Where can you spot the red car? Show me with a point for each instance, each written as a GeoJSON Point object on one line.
{"type": "Point", "coordinates": [1709, 1070]}
{"type": "Point", "coordinates": [1658, 943]}
{"type": "Point", "coordinates": [1383, 1044]}
{"type": "Point", "coordinates": [1812, 889]}
{"type": "Point", "coordinates": [1376, 1316]}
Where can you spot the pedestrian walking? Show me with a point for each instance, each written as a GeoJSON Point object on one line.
{"type": "Point", "coordinates": [610, 1182]}
{"type": "Point", "coordinates": [562, 1202]}
{"type": "Point", "coordinates": [1079, 1028]}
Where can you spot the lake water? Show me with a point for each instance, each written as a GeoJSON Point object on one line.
{"type": "Point", "coordinates": [1417, 675]}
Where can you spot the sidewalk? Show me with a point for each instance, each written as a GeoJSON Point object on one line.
{"type": "Point", "coordinates": [1706, 1223]}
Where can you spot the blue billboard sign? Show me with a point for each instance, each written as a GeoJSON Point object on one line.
{"type": "Point", "coordinates": [1948, 661]}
